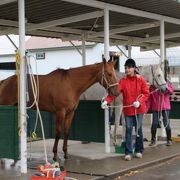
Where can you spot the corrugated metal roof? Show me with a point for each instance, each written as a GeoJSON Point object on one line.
{"type": "Point", "coordinates": [38, 11]}
{"type": "Point", "coordinates": [169, 8]}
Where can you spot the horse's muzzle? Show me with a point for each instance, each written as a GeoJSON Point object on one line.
{"type": "Point", "coordinates": [114, 91]}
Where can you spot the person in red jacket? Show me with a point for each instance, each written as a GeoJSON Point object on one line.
{"type": "Point", "coordinates": [135, 94]}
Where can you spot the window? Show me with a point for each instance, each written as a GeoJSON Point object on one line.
{"type": "Point", "coordinates": [40, 55]}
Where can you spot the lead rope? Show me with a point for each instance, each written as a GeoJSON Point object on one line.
{"type": "Point", "coordinates": [135, 112]}
{"type": "Point", "coordinates": [35, 91]}
{"type": "Point", "coordinates": [161, 109]}
{"type": "Point", "coordinates": [131, 105]}
{"type": "Point", "coordinates": [18, 87]}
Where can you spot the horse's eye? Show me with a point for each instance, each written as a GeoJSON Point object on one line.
{"type": "Point", "coordinates": [109, 74]}
{"type": "Point", "coordinates": [159, 75]}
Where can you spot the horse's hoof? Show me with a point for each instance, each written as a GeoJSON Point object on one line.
{"type": "Point", "coordinates": [56, 159]}
{"type": "Point", "coordinates": [65, 156]}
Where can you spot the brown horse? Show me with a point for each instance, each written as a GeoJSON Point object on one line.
{"type": "Point", "coordinates": [59, 92]}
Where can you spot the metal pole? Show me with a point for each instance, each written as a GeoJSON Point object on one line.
{"type": "Point", "coordinates": [76, 48]}
{"type": "Point", "coordinates": [162, 43]}
{"type": "Point", "coordinates": [157, 53]}
{"type": "Point", "coordinates": [106, 56]}
{"type": "Point", "coordinates": [106, 33]}
{"type": "Point", "coordinates": [162, 55]}
{"type": "Point", "coordinates": [129, 51]}
{"type": "Point", "coordinates": [12, 42]}
{"type": "Point", "coordinates": [21, 10]}
{"type": "Point", "coordinates": [122, 51]}
{"type": "Point", "coordinates": [83, 50]}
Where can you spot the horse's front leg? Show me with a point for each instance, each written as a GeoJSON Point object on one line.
{"type": "Point", "coordinates": [67, 125]}
{"type": "Point", "coordinates": [60, 116]}
{"type": "Point", "coordinates": [118, 113]}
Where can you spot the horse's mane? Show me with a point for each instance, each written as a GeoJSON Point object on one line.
{"type": "Point", "coordinates": [65, 71]}
{"type": "Point", "coordinates": [2, 81]}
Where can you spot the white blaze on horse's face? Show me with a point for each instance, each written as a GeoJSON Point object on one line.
{"type": "Point", "coordinates": [158, 76]}
{"type": "Point", "coordinates": [154, 75]}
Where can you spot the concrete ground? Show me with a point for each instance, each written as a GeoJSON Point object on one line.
{"type": "Point", "coordinates": [89, 161]}
{"type": "Point", "coordinates": [166, 171]}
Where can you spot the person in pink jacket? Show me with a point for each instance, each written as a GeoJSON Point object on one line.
{"type": "Point", "coordinates": [160, 105]}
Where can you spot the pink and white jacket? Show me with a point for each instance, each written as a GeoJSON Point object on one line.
{"type": "Point", "coordinates": [159, 101]}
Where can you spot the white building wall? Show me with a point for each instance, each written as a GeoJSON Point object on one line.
{"type": "Point", "coordinates": [69, 57]}
{"type": "Point", "coordinates": [64, 59]}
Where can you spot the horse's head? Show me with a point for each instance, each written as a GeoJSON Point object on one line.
{"type": "Point", "coordinates": [158, 77]}
{"type": "Point", "coordinates": [108, 77]}
{"type": "Point", "coordinates": [154, 75]}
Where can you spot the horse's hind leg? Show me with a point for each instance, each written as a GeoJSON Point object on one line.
{"type": "Point", "coordinates": [60, 115]}
{"type": "Point", "coordinates": [67, 125]}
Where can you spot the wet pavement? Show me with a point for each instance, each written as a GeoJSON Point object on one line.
{"type": "Point", "coordinates": [166, 171]}
{"type": "Point", "coordinates": [89, 161]}
{"type": "Point", "coordinates": [94, 167]}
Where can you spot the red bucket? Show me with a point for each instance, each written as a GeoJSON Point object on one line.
{"type": "Point", "coordinates": [61, 177]}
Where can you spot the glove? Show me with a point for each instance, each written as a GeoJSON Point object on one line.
{"type": "Point", "coordinates": [136, 104]}
{"type": "Point", "coordinates": [104, 105]}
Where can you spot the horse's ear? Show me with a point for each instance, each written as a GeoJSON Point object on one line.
{"type": "Point", "coordinates": [114, 62]}
{"type": "Point", "coordinates": [104, 61]}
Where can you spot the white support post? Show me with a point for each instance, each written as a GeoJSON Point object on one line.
{"type": "Point", "coordinates": [106, 56]}
{"type": "Point", "coordinates": [21, 10]}
{"type": "Point", "coordinates": [162, 43]}
{"type": "Point", "coordinates": [129, 51]}
{"type": "Point", "coordinates": [83, 50]}
{"type": "Point", "coordinates": [162, 55]}
{"type": "Point", "coordinates": [106, 33]}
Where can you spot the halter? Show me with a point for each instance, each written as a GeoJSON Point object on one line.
{"type": "Point", "coordinates": [103, 78]}
{"type": "Point", "coordinates": [154, 79]}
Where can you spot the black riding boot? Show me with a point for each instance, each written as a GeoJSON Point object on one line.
{"type": "Point", "coordinates": [169, 140]}
{"type": "Point", "coordinates": [153, 137]}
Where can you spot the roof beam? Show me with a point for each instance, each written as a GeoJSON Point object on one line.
{"type": "Point", "coordinates": [67, 20]}
{"type": "Point", "coordinates": [126, 29]}
{"type": "Point", "coordinates": [150, 48]}
{"type": "Point", "coordinates": [48, 25]}
{"type": "Point", "coordinates": [15, 30]}
{"type": "Point", "coordinates": [2, 2]}
{"type": "Point", "coordinates": [157, 38]}
{"type": "Point", "coordinates": [5, 22]}
{"type": "Point", "coordinates": [65, 37]}
{"type": "Point", "coordinates": [101, 40]}
{"type": "Point", "coordinates": [57, 32]}
{"type": "Point", "coordinates": [125, 10]}
{"type": "Point", "coordinates": [68, 32]}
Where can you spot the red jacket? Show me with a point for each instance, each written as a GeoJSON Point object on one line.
{"type": "Point", "coordinates": [132, 88]}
